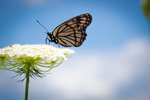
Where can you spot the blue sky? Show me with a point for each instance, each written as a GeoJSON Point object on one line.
{"type": "Point", "coordinates": [112, 63]}
{"type": "Point", "coordinates": [114, 22]}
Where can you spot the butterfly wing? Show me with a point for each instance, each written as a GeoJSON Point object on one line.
{"type": "Point", "coordinates": [71, 33]}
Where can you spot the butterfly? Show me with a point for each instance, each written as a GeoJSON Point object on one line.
{"type": "Point", "coordinates": [70, 33]}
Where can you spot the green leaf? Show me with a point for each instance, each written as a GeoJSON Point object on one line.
{"type": "Point", "coordinates": [146, 8]}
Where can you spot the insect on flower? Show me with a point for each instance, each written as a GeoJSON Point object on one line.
{"type": "Point", "coordinates": [70, 33]}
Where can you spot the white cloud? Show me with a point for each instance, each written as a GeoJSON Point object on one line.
{"type": "Point", "coordinates": [115, 75]}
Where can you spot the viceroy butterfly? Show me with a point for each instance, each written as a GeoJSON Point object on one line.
{"type": "Point", "coordinates": [70, 33]}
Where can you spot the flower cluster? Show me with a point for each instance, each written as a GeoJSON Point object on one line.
{"type": "Point", "coordinates": [18, 57]}
{"type": "Point", "coordinates": [47, 52]}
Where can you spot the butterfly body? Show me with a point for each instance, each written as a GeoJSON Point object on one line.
{"type": "Point", "coordinates": [72, 32]}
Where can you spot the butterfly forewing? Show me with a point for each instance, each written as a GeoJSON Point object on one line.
{"type": "Point", "coordinates": [72, 32]}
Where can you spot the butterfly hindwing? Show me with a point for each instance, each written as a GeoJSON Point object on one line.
{"type": "Point", "coordinates": [72, 32]}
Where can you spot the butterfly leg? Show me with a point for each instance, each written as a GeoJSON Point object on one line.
{"type": "Point", "coordinates": [58, 45]}
{"type": "Point", "coordinates": [48, 40]}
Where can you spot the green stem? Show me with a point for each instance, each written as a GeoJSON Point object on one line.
{"type": "Point", "coordinates": [27, 81]}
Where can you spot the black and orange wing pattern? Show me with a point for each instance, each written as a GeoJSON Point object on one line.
{"type": "Point", "coordinates": [72, 32]}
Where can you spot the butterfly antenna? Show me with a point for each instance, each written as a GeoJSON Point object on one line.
{"type": "Point", "coordinates": [42, 25]}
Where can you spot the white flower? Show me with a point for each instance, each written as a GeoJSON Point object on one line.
{"type": "Point", "coordinates": [18, 57]}
{"type": "Point", "coordinates": [47, 52]}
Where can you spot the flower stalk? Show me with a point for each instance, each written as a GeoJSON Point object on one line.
{"type": "Point", "coordinates": [27, 81]}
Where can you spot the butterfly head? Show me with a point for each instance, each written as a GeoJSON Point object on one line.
{"type": "Point", "coordinates": [48, 33]}
{"type": "Point", "coordinates": [52, 38]}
